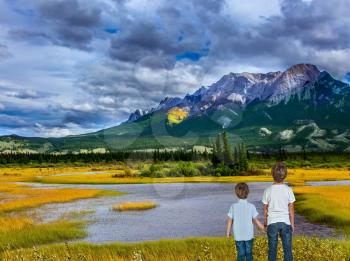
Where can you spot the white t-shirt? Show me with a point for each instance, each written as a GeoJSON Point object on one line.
{"type": "Point", "coordinates": [278, 197]}
{"type": "Point", "coordinates": [242, 214]}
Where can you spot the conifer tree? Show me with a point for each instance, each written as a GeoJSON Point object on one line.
{"type": "Point", "coordinates": [228, 158]}
{"type": "Point", "coordinates": [219, 152]}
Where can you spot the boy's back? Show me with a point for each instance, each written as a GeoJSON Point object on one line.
{"type": "Point", "coordinates": [278, 200]}
{"type": "Point", "coordinates": [242, 213]}
{"type": "Point", "coordinates": [278, 197]}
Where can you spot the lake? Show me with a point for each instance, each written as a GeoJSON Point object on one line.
{"type": "Point", "coordinates": [185, 210]}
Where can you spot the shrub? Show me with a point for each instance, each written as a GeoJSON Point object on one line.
{"type": "Point", "coordinates": [146, 173]}
{"type": "Point", "coordinates": [185, 169]}
{"type": "Point", "coordinates": [223, 170]}
{"type": "Point", "coordinates": [205, 169]}
{"type": "Point", "coordinates": [153, 171]}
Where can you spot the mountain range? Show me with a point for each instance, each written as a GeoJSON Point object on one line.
{"type": "Point", "coordinates": [300, 108]}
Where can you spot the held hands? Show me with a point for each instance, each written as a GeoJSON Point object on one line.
{"type": "Point", "coordinates": [262, 228]}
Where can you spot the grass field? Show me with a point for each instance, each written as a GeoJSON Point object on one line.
{"type": "Point", "coordinates": [219, 249]}
{"type": "Point", "coordinates": [140, 205]}
{"type": "Point", "coordinates": [121, 174]}
{"type": "Point", "coordinates": [327, 204]}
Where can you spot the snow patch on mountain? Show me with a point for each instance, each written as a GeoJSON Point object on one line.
{"type": "Point", "coordinates": [224, 121]}
{"type": "Point", "coordinates": [263, 132]}
{"type": "Point", "coordinates": [286, 135]}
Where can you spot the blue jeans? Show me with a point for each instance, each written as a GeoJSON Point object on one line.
{"type": "Point", "coordinates": [285, 232]}
{"type": "Point", "coordinates": [244, 250]}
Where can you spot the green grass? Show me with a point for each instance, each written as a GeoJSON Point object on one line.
{"type": "Point", "coordinates": [36, 234]}
{"type": "Point", "coordinates": [180, 249]}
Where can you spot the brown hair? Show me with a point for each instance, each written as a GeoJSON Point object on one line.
{"type": "Point", "coordinates": [279, 172]}
{"type": "Point", "coordinates": [242, 190]}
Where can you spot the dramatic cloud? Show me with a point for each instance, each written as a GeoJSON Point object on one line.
{"type": "Point", "coordinates": [72, 66]}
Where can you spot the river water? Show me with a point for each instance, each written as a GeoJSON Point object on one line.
{"type": "Point", "coordinates": [185, 210]}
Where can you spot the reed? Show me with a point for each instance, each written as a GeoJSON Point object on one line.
{"type": "Point", "coordinates": [140, 205]}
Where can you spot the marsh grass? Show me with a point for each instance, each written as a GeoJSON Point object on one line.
{"type": "Point", "coordinates": [129, 206]}
{"type": "Point", "coordinates": [34, 234]}
{"type": "Point", "coordinates": [325, 204]}
{"type": "Point", "coordinates": [295, 176]}
{"type": "Point", "coordinates": [17, 197]}
{"type": "Point", "coordinates": [204, 249]}
{"type": "Point", "coordinates": [12, 223]}
{"type": "Point", "coordinates": [17, 230]}
{"type": "Point", "coordinates": [77, 214]}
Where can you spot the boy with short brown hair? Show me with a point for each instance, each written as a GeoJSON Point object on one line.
{"type": "Point", "coordinates": [278, 200]}
{"type": "Point", "coordinates": [242, 215]}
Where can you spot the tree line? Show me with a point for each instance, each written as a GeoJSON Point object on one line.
{"type": "Point", "coordinates": [110, 157]}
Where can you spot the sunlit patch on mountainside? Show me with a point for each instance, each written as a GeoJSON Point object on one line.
{"type": "Point", "coordinates": [177, 115]}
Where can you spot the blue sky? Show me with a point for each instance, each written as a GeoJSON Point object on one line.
{"type": "Point", "coordinates": [75, 66]}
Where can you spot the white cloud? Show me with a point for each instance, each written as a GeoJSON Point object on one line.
{"type": "Point", "coordinates": [252, 11]}
{"type": "Point", "coordinates": [84, 107]}
{"type": "Point", "coordinates": [69, 129]}
{"type": "Point", "coordinates": [106, 100]}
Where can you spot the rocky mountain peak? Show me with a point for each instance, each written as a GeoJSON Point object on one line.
{"type": "Point", "coordinates": [243, 88]}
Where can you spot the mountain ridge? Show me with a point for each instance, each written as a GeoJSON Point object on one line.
{"type": "Point", "coordinates": [242, 88]}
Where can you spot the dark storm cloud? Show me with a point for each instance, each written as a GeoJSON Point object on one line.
{"type": "Point", "coordinates": [136, 44]}
{"type": "Point", "coordinates": [70, 13]}
{"type": "Point", "coordinates": [73, 23]}
{"type": "Point", "coordinates": [319, 24]}
{"type": "Point", "coordinates": [141, 51]}
{"type": "Point", "coordinates": [61, 22]}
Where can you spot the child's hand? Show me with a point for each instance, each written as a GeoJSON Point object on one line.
{"type": "Point", "coordinates": [262, 228]}
{"type": "Point", "coordinates": [228, 236]}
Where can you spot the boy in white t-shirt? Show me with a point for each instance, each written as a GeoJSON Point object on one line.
{"type": "Point", "coordinates": [242, 215]}
{"type": "Point", "coordinates": [278, 200]}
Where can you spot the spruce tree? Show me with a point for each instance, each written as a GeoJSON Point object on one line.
{"type": "Point", "coordinates": [228, 158]}
{"type": "Point", "coordinates": [235, 155]}
{"type": "Point", "coordinates": [219, 152]}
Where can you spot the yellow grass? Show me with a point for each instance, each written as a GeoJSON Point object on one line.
{"type": "Point", "coordinates": [16, 197]}
{"type": "Point", "coordinates": [338, 195]}
{"type": "Point", "coordinates": [295, 176]}
{"type": "Point", "coordinates": [115, 174]}
{"type": "Point", "coordinates": [219, 249]}
{"type": "Point", "coordinates": [139, 205]}
{"type": "Point", "coordinates": [326, 204]}
{"type": "Point", "coordinates": [8, 223]}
